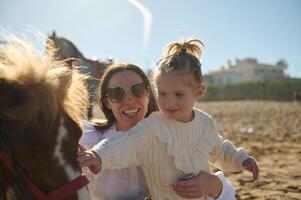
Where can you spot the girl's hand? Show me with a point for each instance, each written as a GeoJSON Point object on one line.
{"type": "Point", "coordinates": [87, 158]}
{"type": "Point", "coordinates": [202, 185]}
{"type": "Point", "coordinates": [250, 164]}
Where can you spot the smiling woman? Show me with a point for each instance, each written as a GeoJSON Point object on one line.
{"type": "Point", "coordinates": [125, 99]}
{"type": "Point", "coordinates": [130, 108]}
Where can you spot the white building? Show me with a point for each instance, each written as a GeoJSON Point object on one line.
{"type": "Point", "coordinates": [247, 70]}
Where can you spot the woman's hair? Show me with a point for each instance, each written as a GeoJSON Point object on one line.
{"type": "Point", "coordinates": [109, 73]}
{"type": "Point", "coordinates": [182, 56]}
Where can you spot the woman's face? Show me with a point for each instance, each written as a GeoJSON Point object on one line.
{"type": "Point", "coordinates": [131, 109]}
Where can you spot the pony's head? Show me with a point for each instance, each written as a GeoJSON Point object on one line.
{"type": "Point", "coordinates": [41, 103]}
{"type": "Point", "coordinates": [64, 47]}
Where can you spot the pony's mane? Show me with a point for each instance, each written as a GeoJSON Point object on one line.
{"type": "Point", "coordinates": [48, 85]}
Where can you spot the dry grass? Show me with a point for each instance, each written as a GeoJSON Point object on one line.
{"type": "Point", "coordinates": [274, 142]}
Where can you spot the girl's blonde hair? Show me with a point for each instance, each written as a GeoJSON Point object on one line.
{"type": "Point", "coordinates": [182, 56]}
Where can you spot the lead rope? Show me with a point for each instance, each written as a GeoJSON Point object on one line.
{"type": "Point", "coordinates": [2, 189]}
{"type": "Point", "coordinates": [2, 184]}
{"type": "Point", "coordinates": [18, 185]}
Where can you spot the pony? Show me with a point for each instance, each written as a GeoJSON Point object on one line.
{"type": "Point", "coordinates": [66, 49]}
{"type": "Point", "coordinates": [41, 104]}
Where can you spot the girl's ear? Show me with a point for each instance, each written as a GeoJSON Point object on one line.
{"type": "Point", "coordinates": [200, 91]}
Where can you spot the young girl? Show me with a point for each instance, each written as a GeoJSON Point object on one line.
{"type": "Point", "coordinates": [179, 140]}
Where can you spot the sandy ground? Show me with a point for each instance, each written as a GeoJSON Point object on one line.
{"type": "Point", "coordinates": [270, 132]}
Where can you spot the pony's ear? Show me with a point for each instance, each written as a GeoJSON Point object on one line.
{"type": "Point", "coordinates": [53, 35]}
{"type": "Point", "coordinates": [70, 62]}
{"type": "Point", "coordinates": [11, 95]}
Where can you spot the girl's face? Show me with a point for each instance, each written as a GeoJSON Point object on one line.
{"type": "Point", "coordinates": [132, 107]}
{"type": "Point", "coordinates": [177, 94]}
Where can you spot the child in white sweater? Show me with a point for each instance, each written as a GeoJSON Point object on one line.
{"type": "Point", "coordinates": [177, 141]}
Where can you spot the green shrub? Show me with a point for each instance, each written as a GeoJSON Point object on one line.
{"type": "Point", "coordinates": [280, 90]}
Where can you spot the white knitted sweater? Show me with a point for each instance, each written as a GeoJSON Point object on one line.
{"type": "Point", "coordinates": [167, 150]}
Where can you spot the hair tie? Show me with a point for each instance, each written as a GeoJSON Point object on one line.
{"type": "Point", "coordinates": [183, 51]}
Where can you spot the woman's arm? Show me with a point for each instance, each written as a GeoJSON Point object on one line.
{"type": "Point", "coordinates": [214, 186]}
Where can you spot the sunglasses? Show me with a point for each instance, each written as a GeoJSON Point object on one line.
{"type": "Point", "coordinates": [117, 94]}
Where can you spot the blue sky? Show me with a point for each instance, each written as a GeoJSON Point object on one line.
{"type": "Point", "coordinates": [268, 30]}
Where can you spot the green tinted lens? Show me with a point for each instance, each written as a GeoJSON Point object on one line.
{"type": "Point", "coordinates": [116, 94]}
{"type": "Point", "coordinates": [138, 90]}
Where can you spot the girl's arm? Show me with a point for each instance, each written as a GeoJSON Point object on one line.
{"type": "Point", "coordinates": [118, 151]}
{"type": "Point", "coordinates": [223, 153]}
{"type": "Point", "coordinates": [227, 157]}
{"type": "Point", "coordinates": [122, 150]}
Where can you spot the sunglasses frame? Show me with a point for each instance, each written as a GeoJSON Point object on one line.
{"type": "Point", "coordinates": [126, 91]}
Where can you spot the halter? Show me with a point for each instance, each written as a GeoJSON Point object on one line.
{"type": "Point", "coordinates": [23, 184]}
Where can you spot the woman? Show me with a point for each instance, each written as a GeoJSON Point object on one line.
{"type": "Point", "coordinates": [133, 101]}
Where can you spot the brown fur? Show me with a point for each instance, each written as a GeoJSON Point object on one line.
{"type": "Point", "coordinates": [48, 83]}
{"type": "Point", "coordinates": [36, 93]}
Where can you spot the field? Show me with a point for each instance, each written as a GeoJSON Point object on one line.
{"type": "Point", "coordinates": [270, 132]}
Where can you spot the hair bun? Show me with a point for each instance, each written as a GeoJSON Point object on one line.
{"type": "Point", "coordinates": [192, 46]}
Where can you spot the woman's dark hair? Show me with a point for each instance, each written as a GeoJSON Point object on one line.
{"type": "Point", "coordinates": [182, 56]}
{"type": "Point", "coordinates": [112, 70]}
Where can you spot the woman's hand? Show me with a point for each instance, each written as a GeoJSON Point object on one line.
{"type": "Point", "coordinates": [203, 184]}
{"type": "Point", "coordinates": [87, 158]}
